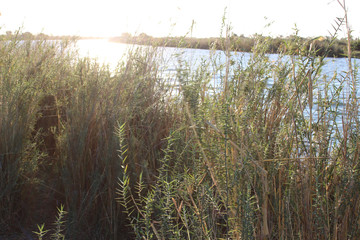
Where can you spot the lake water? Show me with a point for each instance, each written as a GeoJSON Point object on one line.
{"type": "Point", "coordinates": [111, 53]}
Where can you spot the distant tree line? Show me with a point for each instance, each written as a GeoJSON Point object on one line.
{"type": "Point", "coordinates": [322, 45]}
{"type": "Point", "coordinates": [40, 36]}
{"type": "Point", "coordinates": [286, 45]}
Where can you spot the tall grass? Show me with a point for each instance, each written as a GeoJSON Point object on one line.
{"type": "Point", "coordinates": [267, 156]}
{"type": "Point", "coordinates": [58, 118]}
{"type": "Point", "coordinates": [269, 152]}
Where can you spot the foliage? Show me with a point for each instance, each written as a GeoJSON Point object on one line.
{"type": "Point", "coordinates": [338, 47]}
{"type": "Point", "coordinates": [58, 226]}
{"type": "Point", "coordinates": [224, 149]}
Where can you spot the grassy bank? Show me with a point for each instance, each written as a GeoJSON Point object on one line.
{"type": "Point", "coordinates": [277, 45]}
{"type": "Point", "coordinates": [58, 145]}
{"type": "Point", "coordinates": [130, 156]}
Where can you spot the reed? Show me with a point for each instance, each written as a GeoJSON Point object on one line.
{"type": "Point", "coordinates": [58, 118]}
{"type": "Point", "coordinates": [258, 161]}
{"type": "Point", "coordinates": [260, 154]}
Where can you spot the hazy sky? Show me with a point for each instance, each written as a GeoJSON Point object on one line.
{"type": "Point", "coordinates": [174, 17]}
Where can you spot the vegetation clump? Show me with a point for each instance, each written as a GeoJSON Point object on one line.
{"type": "Point", "coordinates": [222, 150]}
{"type": "Point", "coordinates": [242, 43]}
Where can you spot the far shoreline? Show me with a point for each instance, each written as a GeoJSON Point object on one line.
{"type": "Point", "coordinates": [325, 46]}
{"type": "Point", "coordinates": [279, 45]}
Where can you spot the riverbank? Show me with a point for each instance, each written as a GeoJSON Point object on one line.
{"type": "Point", "coordinates": [325, 46]}
{"type": "Point", "coordinates": [122, 154]}
{"type": "Point", "coordinates": [278, 45]}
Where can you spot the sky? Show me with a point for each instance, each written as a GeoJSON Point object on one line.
{"type": "Point", "coordinates": [196, 18]}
